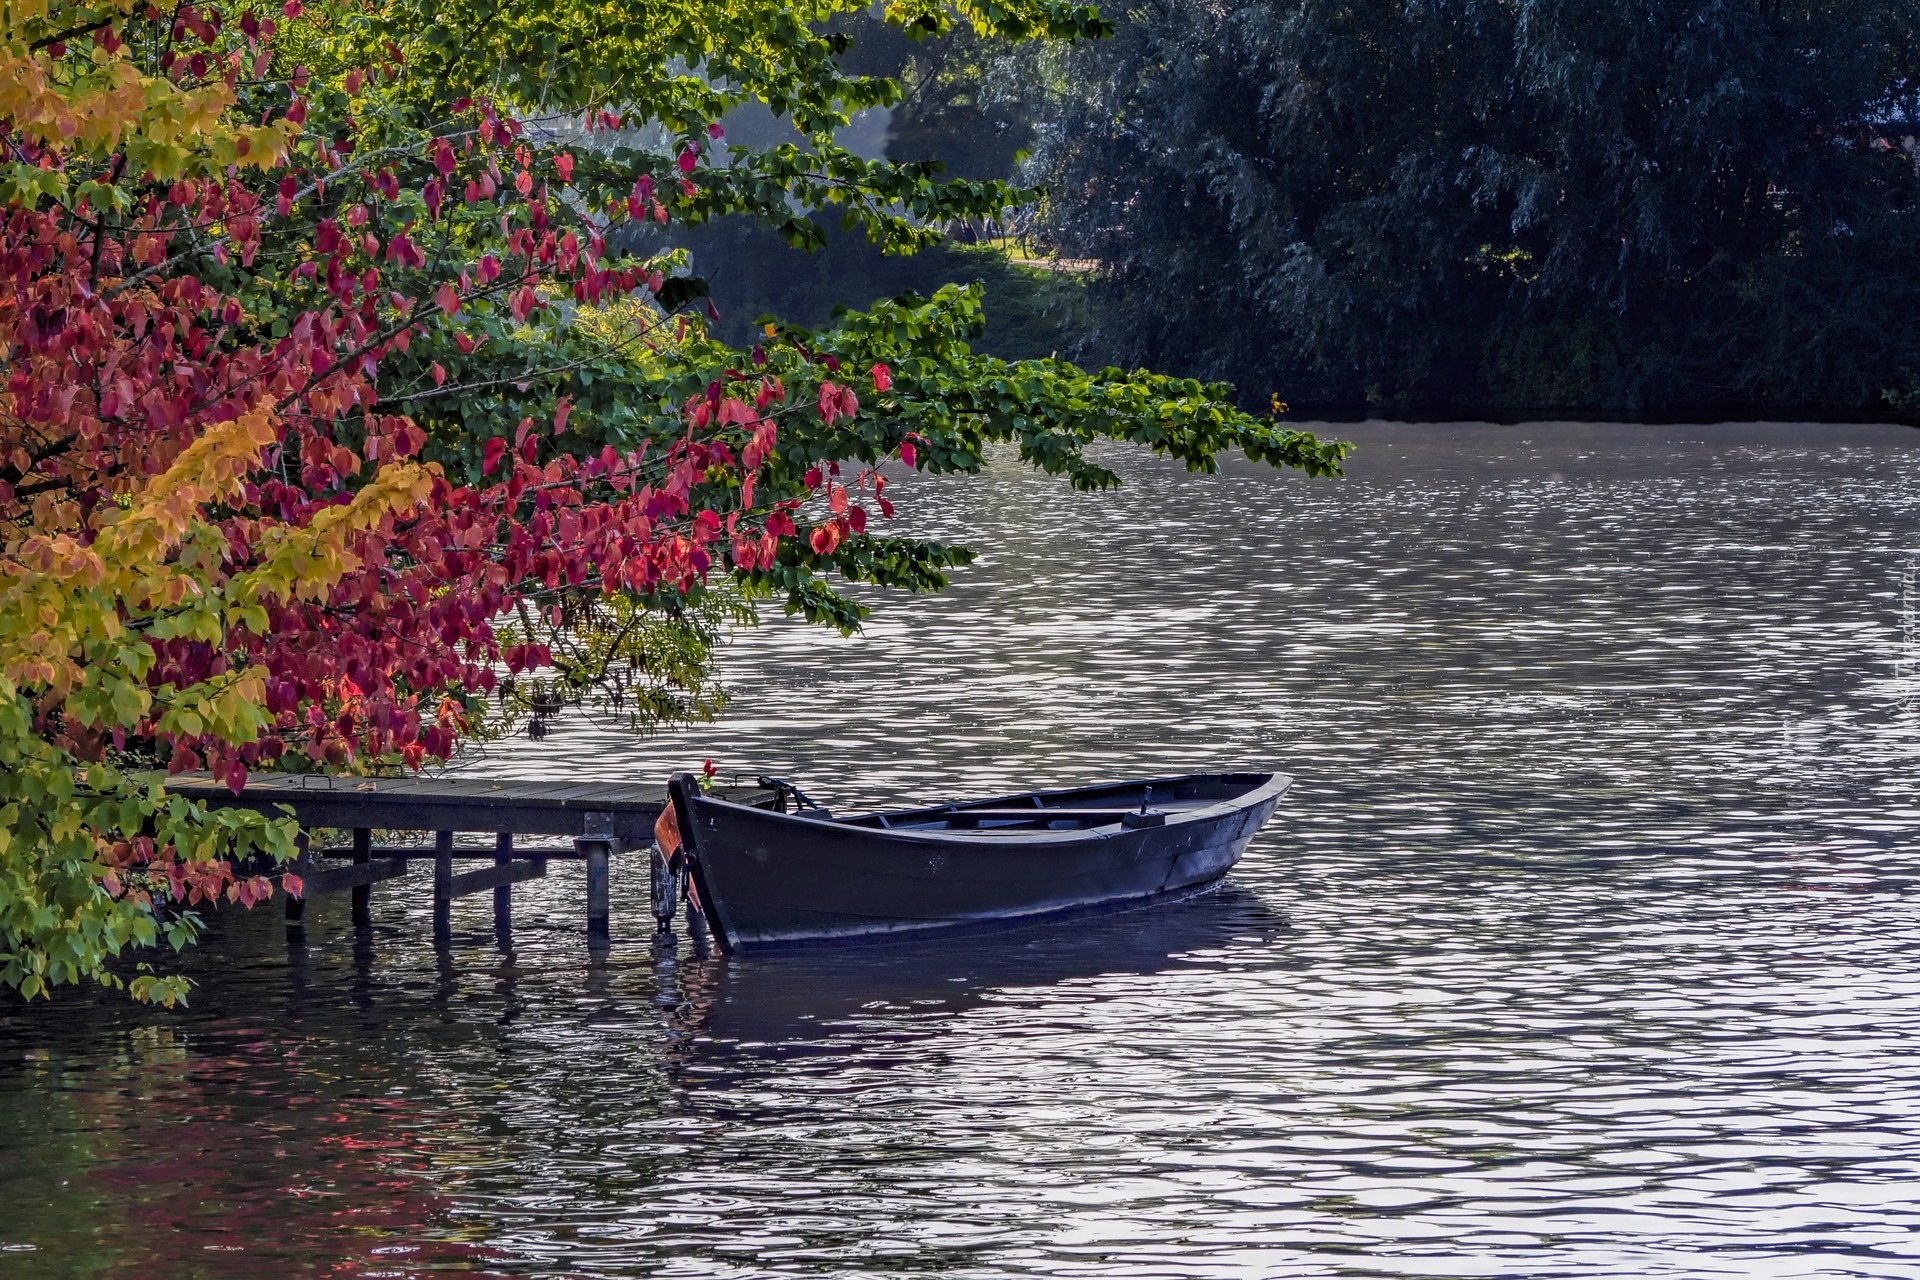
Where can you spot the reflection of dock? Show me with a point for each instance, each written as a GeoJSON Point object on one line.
{"type": "Point", "coordinates": [598, 819]}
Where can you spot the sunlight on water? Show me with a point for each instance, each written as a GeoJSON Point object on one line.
{"type": "Point", "coordinates": [1584, 945]}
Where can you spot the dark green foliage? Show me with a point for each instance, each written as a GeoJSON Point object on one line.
{"type": "Point", "coordinates": [1658, 208]}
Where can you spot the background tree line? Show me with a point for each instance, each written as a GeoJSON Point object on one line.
{"type": "Point", "coordinates": [1462, 207]}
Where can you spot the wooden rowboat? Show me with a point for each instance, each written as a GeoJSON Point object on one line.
{"type": "Point", "coordinates": [768, 877]}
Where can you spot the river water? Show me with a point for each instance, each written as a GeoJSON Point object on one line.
{"type": "Point", "coordinates": [1585, 944]}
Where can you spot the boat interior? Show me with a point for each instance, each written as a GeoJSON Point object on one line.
{"type": "Point", "coordinates": [1125, 805]}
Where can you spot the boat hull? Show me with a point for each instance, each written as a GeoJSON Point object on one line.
{"type": "Point", "coordinates": [770, 878]}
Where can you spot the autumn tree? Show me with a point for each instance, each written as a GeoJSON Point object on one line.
{"type": "Point", "coordinates": [332, 399]}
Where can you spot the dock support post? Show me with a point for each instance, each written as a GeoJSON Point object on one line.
{"type": "Point", "coordinates": [442, 886]}
{"type": "Point", "coordinates": [595, 845]}
{"type": "Point", "coordinates": [503, 893]}
{"type": "Point", "coordinates": [362, 893]}
{"type": "Point", "coordinates": [665, 884]}
{"type": "Point", "coordinates": [302, 864]}
{"type": "Point", "coordinates": [598, 855]}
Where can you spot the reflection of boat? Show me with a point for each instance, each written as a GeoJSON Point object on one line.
{"type": "Point", "coordinates": [767, 876]}
{"type": "Point", "coordinates": [818, 999]}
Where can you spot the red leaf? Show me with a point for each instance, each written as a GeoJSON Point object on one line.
{"type": "Point", "coordinates": [448, 300]}
{"type": "Point", "coordinates": [439, 374]}
{"type": "Point", "coordinates": [495, 450]}
{"type": "Point", "coordinates": [909, 455]}
{"type": "Point", "coordinates": [829, 403]}
{"type": "Point", "coordinates": [882, 378]}
{"type": "Point", "coordinates": [560, 413]}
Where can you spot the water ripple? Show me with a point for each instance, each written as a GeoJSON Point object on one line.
{"type": "Point", "coordinates": [1583, 946]}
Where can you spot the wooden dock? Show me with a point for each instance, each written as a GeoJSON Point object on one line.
{"type": "Point", "coordinates": [597, 820]}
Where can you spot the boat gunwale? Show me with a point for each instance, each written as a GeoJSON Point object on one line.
{"type": "Point", "coordinates": [1273, 785]}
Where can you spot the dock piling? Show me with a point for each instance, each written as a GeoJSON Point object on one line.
{"type": "Point", "coordinates": [665, 885]}
{"type": "Point", "coordinates": [503, 893]}
{"type": "Point", "coordinates": [598, 853]}
{"type": "Point", "coordinates": [595, 844]}
{"type": "Point", "coordinates": [442, 886]}
{"type": "Point", "coordinates": [362, 893]}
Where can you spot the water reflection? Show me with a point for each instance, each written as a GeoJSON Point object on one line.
{"type": "Point", "coordinates": [805, 999]}
{"type": "Point", "coordinates": [1583, 945]}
